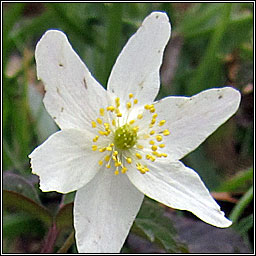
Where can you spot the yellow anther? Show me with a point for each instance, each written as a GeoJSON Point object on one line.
{"type": "Point", "coordinates": [99, 121]}
{"type": "Point", "coordinates": [128, 105]}
{"type": "Point", "coordinates": [102, 111]}
{"type": "Point", "coordinates": [159, 138]}
{"type": "Point", "coordinates": [110, 108]}
{"type": "Point", "coordinates": [106, 125]}
{"type": "Point", "coordinates": [102, 149]}
{"type": "Point", "coordinates": [139, 156]}
{"type": "Point", "coordinates": [117, 100]}
{"type": "Point", "coordinates": [155, 153]}
{"type": "Point", "coordinates": [94, 147]}
{"type": "Point", "coordinates": [155, 115]}
{"type": "Point", "coordinates": [102, 132]}
{"type": "Point", "coordinates": [154, 148]}
{"type": "Point", "coordinates": [117, 163]}
{"type": "Point", "coordinates": [161, 145]}
{"type": "Point", "coordinates": [152, 110]}
{"type": "Point", "coordinates": [124, 170]}
{"type": "Point", "coordinates": [162, 122]}
{"type": "Point", "coordinates": [130, 95]}
{"type": "Point", "coordinates": [151, 142]}
{"type": "Point", "coordinates": [136, 128]}
{"type": "Point", "coordinates": [146, 169]}
{"type": "Point", "coordinates": [100, 162]}
{"type": "Point", "coordinates": [135, 101]}
{"type": "Point", "coordinates": [128, 160]}
{"type": "Point", "coordinates": [147, 106]}
{"type": "Point", "coordinates": [139, 146]}
{"type": "Point", "coordinates": [148, 156]}
{"type": "Point", "coordinates": [107, 158]}
{"type": "Point", "coordinates": [132, 122]}
{"type": "Point", "coordinates": [166, 132]}
{"type": "Point", "coordinates": [116, 171]}
{"type": "Point", "coordinates": [94, 124]}
{"type": "Point", "coordinates": [153, 158]}
{"type": "Point", "coordinates": [139, 116]}
{"type": "Point", "coordinates": [115, 153]}
{"type": "Point", "coordinates": [119, 114]}
{"type": "Point", "coordinates": [109, 148]}
{"type": "Point", "coordinates": [153, 121]}
{"type": "Point", "coordinates": [164, 154]}
{"type": "Point", "coordinates": [152, 132]}
{"type": "Point", "coordinates": [108, 166]}
{"type": "Point", "coordinates": [114, 122]}
{"type": "Point", "coordinates": [95, 138]}
{"type": "Point", "coordinates": [111, 145]}
{"type": "Point", "coordinates": [114, 158]}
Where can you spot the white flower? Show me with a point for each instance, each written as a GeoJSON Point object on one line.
{"type": "Point", "coordinates": [115, 146]}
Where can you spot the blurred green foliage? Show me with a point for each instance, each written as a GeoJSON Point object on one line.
{"type": "Point", "coordinates": [211, 46]}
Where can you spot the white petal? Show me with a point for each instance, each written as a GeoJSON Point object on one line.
{"type": "Point", "coordinates": [191, 120]}
{"type": "Point", "coordinates": [137, 67]}
{"type": "Point", "coordinates": [104, 211]}
{"type": "Point", "coordinates": [73, 97]}
{"type": "Point", "coordinates": [65, 161]}
{"type": "Point", "coordinates": [179, 187]}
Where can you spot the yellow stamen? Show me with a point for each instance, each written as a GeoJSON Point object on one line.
{"type": "Point", "coordinates": [94, 147]}
{"type": "Point", "coordinates": [161, 145]}
{"type": "Point", "coordinates": [99, 121]}
{"type": "Point", "coordinates": [117, 102]}
{"type": "Point", "coordinates": [100, 162]}
{"type": "Point", "coordinates": [139, 146]}
{"type": "Point", "coordinates": [95, 138]}
{"type": "Point", "coordinates": [94, 124]}
{"type": "Point", "coordinates": [152, 132]}
{"type": "Point", "coordinates": [110, 108]}
{"type": "Point", "coordinates": [128, 105]}
{"type": "Point", "coordinates": [139, 116]}
{"type": "Point", "coordinates": [166, 132]}
{"type": "Point", "coordinates": [159, 138]}
{"type": "Point", "coordinates": [162, 122]}
{"type": "Point", "coordinates": [107, 158]}
{"type": "Point", "coordinates": [151, 142]}
{"type": "Point", "coordinates": [102, 111]}
{"type": "Point", "coordinates": [124, 170]}
{"type": "Point", "coordinates": [139, 156]}
{"type": "Point", "coordinates": [130, 95]}
{"type": "Point", "coordinates": [132, 122]}
{"type": "Point", "coordinates": [154, 147]}
{"type": "Point", "coordinates": [128, 160]}
{"type": "Point", "coordinates": [135, 101]}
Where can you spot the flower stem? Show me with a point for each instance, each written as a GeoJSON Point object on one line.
{"type": "Point", "coordinates": [70, 240]}
{"type": "Point", "coordinates": [50, 239]}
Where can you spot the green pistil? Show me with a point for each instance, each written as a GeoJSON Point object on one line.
{"type": "Point", "coordinates": [125, 137]}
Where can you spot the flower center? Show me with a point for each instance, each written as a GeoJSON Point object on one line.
{"type": "Point", "coordinates": [125, 137]}
{"type": "Point", "coordinates": [128, 143]}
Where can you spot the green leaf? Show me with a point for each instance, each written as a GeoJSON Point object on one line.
{"type": "Point", "coordinates": [64, 218]}
{"type": "Point", "coordinates": [18, 184]}
{"type": "Point", "coordinates": [20, 224]}
{"type": "Point", "coordinates": [210, 64]}
{"type": "Point", "coordinates": [241, 180]}
{"type": "Point", "coordinates": [15, 201]}
{"type": "Point", "coordinates": [241, 205]}
{"type": "Point", "coordinates": [154, 226]}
